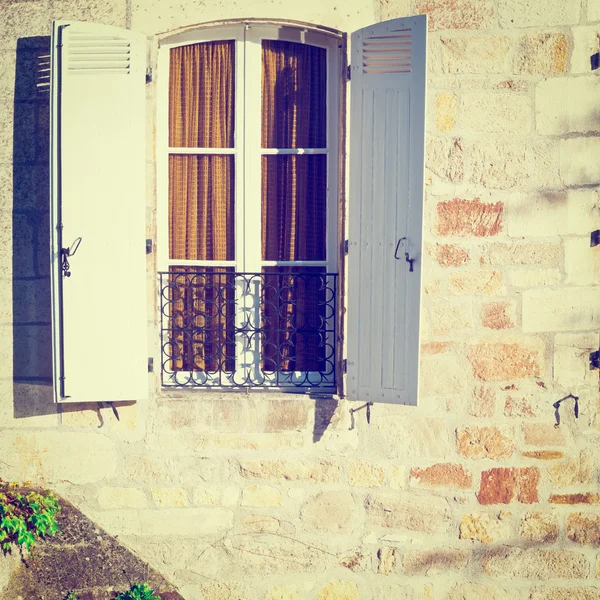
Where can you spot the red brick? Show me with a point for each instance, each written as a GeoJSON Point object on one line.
{"type": "Point", "coordinates": [467, 218]}
{"type": "Point", "coordinates": [450, 255]}
{"type": "Point", "coordinates": [503, 485]}
{"type": "Point", "coordinates": [499, 361]}
{"type": "Point", "coordinates": [495, 315]}
{"type": "Point", "coordinates": [442, 475]}
{"type": "Point", "coordinates": [586, 498]}
{"type": "Point", "coordinates": [456, 14]}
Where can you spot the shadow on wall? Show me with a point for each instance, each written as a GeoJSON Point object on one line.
{"type": "Point", "coordinates": [32, 331]}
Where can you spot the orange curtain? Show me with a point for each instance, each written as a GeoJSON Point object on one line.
{"type": "Point", "coordinates": [294, 190]}
{"type": "Point", "coordinates": [201, 201]}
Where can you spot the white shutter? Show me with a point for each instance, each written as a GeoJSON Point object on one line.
{"type": "Point", "coordinates": [387, 130]}
{"type": "Point", "coordinates": [98, 196]}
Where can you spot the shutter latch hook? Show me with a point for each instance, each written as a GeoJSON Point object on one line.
{"type": "Point", "coordinates": [407, 257]}
{"type": "Point", "coordinates": [65, 253]}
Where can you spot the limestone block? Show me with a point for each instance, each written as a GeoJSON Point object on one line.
{"type": "Point", "coordinates": [541, 213]}
{"type": "Point", "coordinates": [365, 474]}
{"type": "Point", "coordinates": [184, 522]}
{"type": "Point", "coordinates": [563, 309]}
{"type": "Point", "coordinates": [522, 278]}
{"type": "Point", "coordinates": [540, 528]}
{"type": "Point", "coordinates": [319, 471]}
{"type": "Point", "coordinates": [585, 44]}
{"type": "Point", "coordinates": [565, 593]}
{"type": "Point", "coordinates": [508, 358]}
{"type": "Point", "coordinates": [397, 477]}
{"type": "Point", "coordinates": [449, 255]}
{"type": "Point", "coordinates": [283, 592]}
{"type": "Point", "coordinates": [445, 111]}
{"type": "Point", "coordinates": [503, 485]}
{"type": "Point", "coordinates": [483, 401]}
{"type": "Point", "coordinates": [543, 434]}
{"type": "Point", "coordinates": [458, 14]}
{"type": "Point", "coordinates": [593, 11]}
{"type": "Point", "coordinates": [578, 164]}
{"type": "Point", "coordinates": [211, 495]}
{"type": "Point", "coordinates": [544, 53]}
{"type": "Point", "coordinates": [509, 563]}
{"type": "Point", "coordinates": [474, 54]}
{"type": "Point", "coordinates": [520, 13]}
{"type": "Point", "coordinates": [484, 442]}
{"type": "Point", "coordinates": [435, 562]}
{"type": "Point", "coordinates": [566, 105]}
{"type": "Point", "coordinates": [569, 499]}
{"type": "Point", "coordinates": [339, 590]}
{"type": "Point", "coordinates": [584, 528]}
{"type": "Point", "coordinates": [448, 319]}
{"type": "Point", "coordinates": [441, 475]}
{"type": "Point", "coordinates": [445, 158]}
{"type": "Point", "coordinates": [154, 469]}
{"type": "Point", "coordinates": [495, 113]}
{"type": "Point", "coordinates": [481, 527]}
{"type": "Point", "coordinates": [171, 497]}
{"type": "Point", "coordinates": [332, 511]}
{"type": "Point", "coordinates": [498, 315]}
{"type": "Point", "coordinates": [522, 253]}
{"type": "Point", "coordinates": [477, 282]}
{"type": "Point", "coordinates": [523, 404]}
{"type": "Point", "coordinates": [261, 496]}
{"type": "Point", "coordinates": [571, 358]}
{"type": "Point", "coordinates": [468, 218]}
{"type": "Point", "coordinates": [573, 472]}
{"type": "Point", "coordinates": [479, 591]}
{"type": "Point", "coordinates": [111, 498]}
{"type": "Point", "coordinates": [543, 454]}
{"type": "Point", "coordinates": [442, 374]}
{"type": "Point", "coordinates": [582, 263]}
{"type": "Point", "coordinates": [584, 211]}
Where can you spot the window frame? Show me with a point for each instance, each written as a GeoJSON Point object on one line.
{"type": "Point", "coordinates": [247, 152]}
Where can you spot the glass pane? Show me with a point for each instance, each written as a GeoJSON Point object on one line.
{"type": "Point", "coordinates": [294, 95]}
{"type": "Point", "coordinates": [294, 194]}
{"type": "Point", "coordinates": [201, 95]}
{"type": "Point", "coordinates": [201, 315]}
{"type": "Point", "coordinates": [201, 207]}
{"type": "Point", "coordinates": [294, 319]}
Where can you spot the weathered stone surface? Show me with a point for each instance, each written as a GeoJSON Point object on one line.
{"type": "Point", "coordinates": [584, 528]}
{"type": "Point", "coordinates": [539, 213]}
{"type": "Point", "coordinates": [566, 593]}
{"type": "Point", "coordinates": [459, 14]}
{"type": "Point", "coordinates": [503, 485]}
{"type": "Point", "coordinates": [474, 54]}
{"type": "Point", "coordinates": [478, 591]}
{"type": "Point", "coordinates": [218, 590]}
{"type": "Point", "coordinates": [585, 44]}
{"type": "Point", "coordinates": [397, 477]}
{"type": "Point", "coordinates": [571, 358]}
{"type": "Point", "coordinates": [339, 590]}
{"type": "Point", "coordinates": [503, 360]}
{"type": "Point", "coordinates": [481, 527]}
{"type": "Point", "coordinates": [540, 528]}
{"type": "Point", "coordinates": [283, 592]}
{"type": "Point", "coordinates": [321, 471]}
{"type": "Point", "coordinates": [266, 524]}
{"type": "Point", "coordinates": [565, 105]}
{"type": "Point", "coordinates": [541, 54]}
{"type": "Point", "coordinates": [450, 318]}
{"type": "Point", "coordinates": [562, 309]}
{"type": "Point", "coordinates": [365, 474]}
{"type": "Point", "coordinates": [426, 514]}
{"type": "Point", "coordinates": [156, 469]}
{"type": "Point", "coordinates": [492, 112]}
{"type": "Point", "coordinates": [441, 475]}
{"type": "Point", "coordinates": [211, 495]}
{"type": "Point", "coordinates": [442, 374]}
{"type": "Point", "coordinates": [445, 158]}
{"type": "Point", "coordinates": [543, 454]}
{"type": "Point", "coordinates": [517, 253]}
{"type": "Point", "coordinates": [121, 497]}
{"type": "Point", "coordinates": [525, 405]}
{"type": "Point", "coordinates": [432, 348]}
{"type": "Point", "coordinates": [508, 563]}
{"type": "Point", "coordinates": [578, 471]}
{"type": "Point", "coordinates": [450, 255]}
{"type": "Point", "coordinates": [434, 562]}
{"type": "Point", "coordinates": [480, 282]}
{"type": "Point", "coordinates": [581, 268]}
{"type": "Point", "coordinates": [575, 166]}
{"type": "Point", "coordinates": [333, 511]}
{"type": "Point", "coordinates": [484, 442]}
{"type": "Point", "coordinates": [483, 402]}
{"type": "Point", "coordinates": [516, 13]}
{"type": "Point", "coordinates": [586, 498]}
{"type": "Point", "coordinates": [535, 278]}
{"type": "Point", "coordinates": [469, 218]}
{"type": "Point", "coordinates": [388, 560]}
{"type": "Point", "coordinates": [261, 495]}
{"type": "Point", "coordinates": [498, 315]}
{"type": "Point", "coordinates": [173, 497]}
{"type": "Point", "coordinates": [445, 111]}
{"type": "Point", "coordinates": [543, 434]}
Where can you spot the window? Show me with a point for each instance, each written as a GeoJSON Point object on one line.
{"type": "Point", "coordinates": [249, 201]}
{"type": "Point", "coordinates": [249, 241]}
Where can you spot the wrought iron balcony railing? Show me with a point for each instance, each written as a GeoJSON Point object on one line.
{"type": "Point", "coordinates": [274, 329]}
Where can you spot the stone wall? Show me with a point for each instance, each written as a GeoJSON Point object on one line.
{"type": "Point", "coordinates": [474, 493]}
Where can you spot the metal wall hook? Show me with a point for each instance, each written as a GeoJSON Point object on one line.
{"type": "Point", "coordinates": [407, 257]}
{"type": "Point", "coordinates": [65, 253]}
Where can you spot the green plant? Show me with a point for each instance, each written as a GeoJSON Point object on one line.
{"type": "Point", "coordinates": [26, 517]}
{"type": "Point", "coordinates": [70, 596]}
{"type": "Point", "coordinates": [138, 591]}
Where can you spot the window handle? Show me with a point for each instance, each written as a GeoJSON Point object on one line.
{"type": "Point", "coordinates": [65, 253]}
{"type": "Point", "coordinates": [407, 257]}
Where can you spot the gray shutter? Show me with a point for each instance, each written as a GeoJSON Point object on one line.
{"type": "Point", "coordinates": [98, 197]}
{"type": "Point", "coordinates": [385, 210]}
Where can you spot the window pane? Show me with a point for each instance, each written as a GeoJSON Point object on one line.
{"type": "Point", "coordinates": [201, 95]}
{"type": "Point", "coordinates": [201, 207]}
{"type": "Point", "coordinates": [294, 193]}
{"type": "Point", "coordinates": [294, 95]}
{"type": "Point", "coordinates": [201, 317]}
{"type": "Point", "coordinates": [294, 319]}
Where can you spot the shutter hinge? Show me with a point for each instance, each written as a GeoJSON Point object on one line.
{"type": "Point", "coordinates": [595, 238]}
{"type": "Point", "coordinates": [148, 246]}
{"type": "Point", "coordinates": [150, 365]}
{"type": "Point", "coordinates": [349, 72]}
{"type": "Point", "coordinates": [595, 360]}
{"type": "Point", "coordinates": [345, 365]}
{"type": "Point", "coordinates": [148, 74]}
{"type": "Point", "coordinates": [346, 244]}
